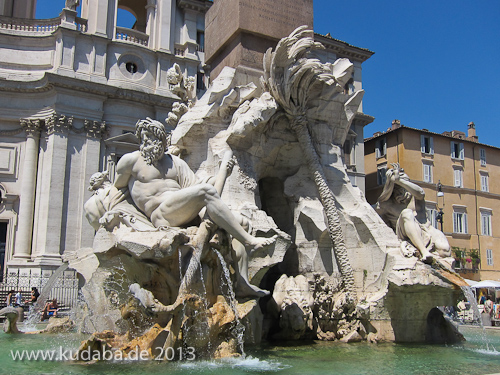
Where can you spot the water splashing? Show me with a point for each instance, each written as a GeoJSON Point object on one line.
{"type": "Point", "coordinates": [469, 295]}
{"type": "Point", "coordinates": [239, 329]}
{"type": "Point", "coordinates": [200, 327]}
{"type": "Point", "coordinates": [34, 311]}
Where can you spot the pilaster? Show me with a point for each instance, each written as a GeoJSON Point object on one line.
{"type": "Point", "coordinates": [165, 22]}
{"type": "Point", "coordinates": [150, 25]}
{"type": "Point", "coordinates": [95, 130]}
{"type": "Point", "coordinates": [101, 16]}
{"type": "Point", "coordinates": [47, 251]}
{"type": "Point", "coordinates": [24, 236]}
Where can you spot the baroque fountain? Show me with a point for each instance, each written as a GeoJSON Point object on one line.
{"type": "Point", "coordinates": [236, 223]}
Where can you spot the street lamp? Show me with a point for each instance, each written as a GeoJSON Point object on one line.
{"type": "Point", "coordinates": [440, 214]}
{"type": "Point", "coordinates": [439, 187]}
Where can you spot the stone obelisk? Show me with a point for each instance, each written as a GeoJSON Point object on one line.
{"type": "Point", "coordinates": [238, 32]}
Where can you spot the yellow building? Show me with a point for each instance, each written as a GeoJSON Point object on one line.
{"type": "Point", "coordinates": [458, 175]}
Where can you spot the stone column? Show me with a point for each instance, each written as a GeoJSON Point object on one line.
{"type": "Point", "coordinates": [101, 16]}
{"type": "Point", "coordinates": [24, 234]}
{"type": "Point", "coordinates": [164, 26]}
{"type": "Point", "coordinates": [150, 25]}
{"type": "Point", "coordinates": [94, 131]}
{"type": "Point", "coordinates": [52, 190]}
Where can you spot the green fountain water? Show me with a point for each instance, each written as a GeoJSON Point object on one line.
{"type": "Point", "coordinates": [285, 358]}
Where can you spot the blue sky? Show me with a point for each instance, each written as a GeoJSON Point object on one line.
{"type": "Point", "coordinates": [436, 62]}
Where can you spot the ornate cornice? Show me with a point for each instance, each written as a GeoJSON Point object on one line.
{"type": "Point", "coordinates": [342, 48]}
{"type": "Point", "coordinates": [197, 5]}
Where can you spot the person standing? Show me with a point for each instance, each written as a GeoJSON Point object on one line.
{"type": "Point", "coordinates": [19, 298]}
{"type": "Point", "coordinates": [487, 311]}
{"type": "Point", "coordinates": [9, 301]}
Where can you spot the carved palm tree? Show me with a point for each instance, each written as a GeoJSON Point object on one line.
{"type": "Point", "coordinates": [292, 79]}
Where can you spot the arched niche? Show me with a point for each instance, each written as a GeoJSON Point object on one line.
{"type": "Point", "coordinates": [136, 8]}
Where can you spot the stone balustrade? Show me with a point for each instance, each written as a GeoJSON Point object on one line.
{"type": "Point", "coordinates": [81, 24]}
{"type": "Point", "coordinates": [36, 26]}
{"type": "Point", "coordinates": [133, 36]}
{"type": "Point", "coordinates": [179, 52]}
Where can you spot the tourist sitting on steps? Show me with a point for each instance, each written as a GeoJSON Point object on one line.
{"type": "Point", "coordinates": [50, 309]}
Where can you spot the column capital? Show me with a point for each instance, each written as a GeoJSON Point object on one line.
{"type": "Point", "coordinates": [95, 129]}
{"type": "Point", "coordinates": [59, 124]}
{"type": "Point", "coordinates": [32, 127]}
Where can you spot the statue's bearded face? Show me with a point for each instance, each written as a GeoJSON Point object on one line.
{"type": "Point", "coordinates": [152, 148]}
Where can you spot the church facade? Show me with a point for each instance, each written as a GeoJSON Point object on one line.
{"type": "Point", "coordinates": [71, 91]}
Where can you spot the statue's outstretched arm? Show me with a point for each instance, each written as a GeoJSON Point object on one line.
{"type": "Point", "coordinates": [413, 188]}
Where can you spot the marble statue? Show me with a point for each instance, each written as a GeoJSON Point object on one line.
{"type": "Point", "coordinates": [182, 86]}
{"type": "Point", "coordinates": [154, 189]}
{"type": "Point", "coordinates": [110, 206]}
{"type": "Point", "coordinates": [72, 4]}
{"type": "Point", "coordinates": [294, 81]}
{"type": "Point", "coordinates": [402, 206]}
{"type": "Point", "coordinates": [164, 188]}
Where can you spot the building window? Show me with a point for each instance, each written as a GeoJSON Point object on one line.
{"type": "Point", "coordinates": [348, 151]}
{"type": "Point", "coordinates": [489, 257]}
{"type": "Point", "coordinates": [381, 174]}
{"type": "Point", "coordinates": [457, 150]}
{"type": "Point", "coordinates": [432, 215]}
{"type": "Point", "coordinates": [460, 221]}
{"type": "Point", "coordinates": [200, 81]}
{"type": "Point", "coordinates": [426, 145]}
{"type": "Point", "coordinates": [482, 157]}
{"type": "Point", "coordinates": [427, 172]}
{"type": "Point", "coordinates": [486, 223]}
{"type": "Point", "coordinates": [200, 40]}
{"type": "Point", "coordinates": [484, 181]}
{"type": "Point", "coordinates": [458, 177]}
{"type": "Point", "coordinates": [3, 245]}
{"type": "Point", "coordinates": [380, 148]}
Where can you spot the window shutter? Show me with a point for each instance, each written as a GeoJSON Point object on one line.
{"type": "Point", "coordinates": [455, 226]}
{"type": "Point", "coordinates": [484, 183]}
{"type": "Point", "coordinates": [452, 147]}
{"type": "Point", "coordinates": [385, 147]}
{"type": "Point", "coordinates": [457, 177]}
{"type": "Point", "coordinates": [482, 153]}
{"type": "Point", "coordinates": [462, 152]}
{"type": "Point", "coordinates": [465, 223]}
{"type": "Point", "coordinates": [489, 257]}
{"type": "Point", "coordinates": [422, 143]}
{"type": "Point", "coordinates": [431, 142]}
{"type": "Point", "coordinates": [377, 151]}
{"type": "Point", "coordinates": [427, 173]}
